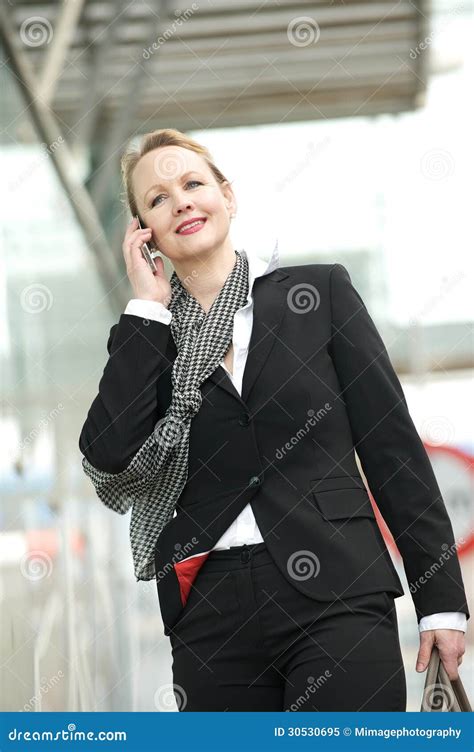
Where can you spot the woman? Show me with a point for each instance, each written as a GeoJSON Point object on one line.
{"type": "Point", "coordinates": [227, 419]}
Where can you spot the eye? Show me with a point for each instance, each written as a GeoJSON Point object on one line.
{"type": "Point", "coordinates": [198, 182]}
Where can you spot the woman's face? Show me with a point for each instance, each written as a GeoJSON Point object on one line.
{"type": "Point", "coordinates": [173, 185]}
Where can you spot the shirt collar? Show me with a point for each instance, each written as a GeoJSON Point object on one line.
{"type": "Point", "coordinates": [258, 267]}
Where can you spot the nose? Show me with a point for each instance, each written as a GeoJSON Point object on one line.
{"type": "Point", "coordinates": [182, 204]}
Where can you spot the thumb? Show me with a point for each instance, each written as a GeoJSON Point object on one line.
{"type": "Point", "coordinates": [426, 646]}
{"type": "Point", "coordinates": [160, 266]}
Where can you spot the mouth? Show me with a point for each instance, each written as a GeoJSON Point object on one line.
{"type": "Point", "coordinates": [192, 226]}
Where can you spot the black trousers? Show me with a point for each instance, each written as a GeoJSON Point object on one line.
{"type": "Point", "coordinates": [248, 640]}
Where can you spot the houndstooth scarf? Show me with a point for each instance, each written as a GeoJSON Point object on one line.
{"type": "Point", "coordinates": [152, 482]}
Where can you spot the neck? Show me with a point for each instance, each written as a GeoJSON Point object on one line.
{"type": "Point", "coordinates": [204, 276]}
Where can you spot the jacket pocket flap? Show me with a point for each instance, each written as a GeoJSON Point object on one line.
{"type": "Point", "coordinates": [342, 503]}
{"type": "Point", "coordinates": [336, 482]}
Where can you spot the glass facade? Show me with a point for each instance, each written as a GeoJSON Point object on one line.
{"type": "Point", "coordinates": [77, 632]}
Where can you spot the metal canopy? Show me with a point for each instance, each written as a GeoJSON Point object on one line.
{"type": "Point", "coordinates": [97, 73]}
{"type": "Point", "coordinates": [223, 64]}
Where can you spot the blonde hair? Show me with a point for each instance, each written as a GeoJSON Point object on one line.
{"type": "Point", "coordinates": [153, 140]}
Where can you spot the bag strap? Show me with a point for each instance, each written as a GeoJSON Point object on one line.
{"type": "Point", "coordinates": [440, 693]}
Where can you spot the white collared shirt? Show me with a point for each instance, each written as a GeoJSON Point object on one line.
{"type": "Point", "coordinates": [244, 528]}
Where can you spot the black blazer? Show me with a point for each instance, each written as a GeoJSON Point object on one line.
{"type": "Point", "coordinates": [318, 383]}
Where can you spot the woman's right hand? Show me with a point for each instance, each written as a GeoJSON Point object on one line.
{"type": "Point", "coordinates": [146, 284]}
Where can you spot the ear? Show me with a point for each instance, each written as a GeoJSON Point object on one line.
{"type": "Point", "coordinates": [229, 196]}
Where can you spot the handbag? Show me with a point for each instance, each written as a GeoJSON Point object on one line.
{"type": "Point", "coordinates": [442, 694]}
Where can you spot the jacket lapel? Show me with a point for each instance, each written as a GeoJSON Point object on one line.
{"type": "Point", "coordinates": [270, 303]}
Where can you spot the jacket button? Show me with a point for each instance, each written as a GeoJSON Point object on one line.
{"type": "Point", "coordinates": [254, 480]}
{"type": "Point", "coordinates": [244, 420]}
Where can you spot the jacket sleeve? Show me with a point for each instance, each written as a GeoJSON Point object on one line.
{"type": "Point", "coordinates": [125, 410]}
{"type": "Point", "coordinates": [394, 460]}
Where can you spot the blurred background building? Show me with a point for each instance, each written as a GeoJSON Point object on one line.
{"type": "Point", "coordinates": [347, 130]}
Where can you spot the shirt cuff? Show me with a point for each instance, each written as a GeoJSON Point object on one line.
{"type": "Point", "coordinates": [445, 620]}
{"type": "Point", "coordinates": [149, 309]}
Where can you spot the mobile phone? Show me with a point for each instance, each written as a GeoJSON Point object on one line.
{"type": "Point", "coordinates": [147, 253]}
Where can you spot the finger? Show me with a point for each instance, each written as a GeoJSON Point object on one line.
{"type": "Point", "coordinates": [139, 236]}
{"type": "Point", "coordinates": [450, 664]}
{"type": "Point", "coordinates": [160, 266]}
{"type": "Point", "coordinates": [131, 227]}
{"type": "Point", "coordinates": [136, 255]}
{"type": "Point", "coordinates": [131, 231]}
{"type": "Point", "coordinates": [136, 241]}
